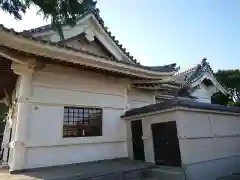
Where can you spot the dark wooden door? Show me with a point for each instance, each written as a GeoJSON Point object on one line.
{"type": "Point", "coordinates": [166, 145]}
{"type": "Point", "coordinates": [138, 146]}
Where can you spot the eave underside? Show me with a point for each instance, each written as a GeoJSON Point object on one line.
{"type": "Point", "coordinates": [7, 78]}
{"type": "Point", "coordinates": [160, 86]}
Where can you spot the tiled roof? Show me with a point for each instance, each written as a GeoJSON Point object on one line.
{"type": "Point", "coordinates": [165, 68]}
{"type": "Point", "coordinates": [95, 12]}
{"type": "Point", "coordinates": [64, 46]}
{"type": "Point", "coordinates": [182, 102]}
{"type": "Point", "coordinates": [195, 73]}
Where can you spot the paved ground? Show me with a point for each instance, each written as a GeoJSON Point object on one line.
{"type": "Point", "coordinates": [231, 177]}
{"type": "Point", "coordinates": [84, 170]}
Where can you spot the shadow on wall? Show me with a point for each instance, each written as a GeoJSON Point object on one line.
{"type": "Point", "coordinates": [3, 112]}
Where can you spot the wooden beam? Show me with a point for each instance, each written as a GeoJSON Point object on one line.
{"type": "Point", "coordinates": [15, 56]}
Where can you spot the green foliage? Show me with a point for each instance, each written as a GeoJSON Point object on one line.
{"type": "Point", "coordinates": [231, 79]}
{"type": "Point", "coordinates": [60, 11]}
{"type": "Point", "coordinates": [236, 103]}
{"type": "Point", "coordinates": [219, 98]}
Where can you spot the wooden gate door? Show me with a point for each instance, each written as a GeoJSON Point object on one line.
{"type": "Point", "coordinates": [138, 146]}
{"type": "Point", "coordinates": [166, 145]}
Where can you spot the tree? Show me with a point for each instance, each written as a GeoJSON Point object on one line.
{"type": "Point", "coordinates": [60, 11]}
{"type": "Point", "coordinates": [231, 80]}
{"type": "Point", "coordinates": [220, 98]}
{"type": "Point", "coordinates": [236, 103]}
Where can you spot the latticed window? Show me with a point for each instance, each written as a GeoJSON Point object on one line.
{"type": "Point", "coordinates": [81, 122]}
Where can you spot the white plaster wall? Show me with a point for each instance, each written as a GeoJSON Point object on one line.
{"type": "Point", "coordinates": [209, 143]}
{"type": "Point", "coordinates": [56, 87]}
{"type": "Point", "coordinates": [58, 155]}
{"type": "Point", "coordinates": [202, 94]}
{"type": "Point", "coordinates": [138, 98]}
{"type": "Point", "coordinates": [210, 136]}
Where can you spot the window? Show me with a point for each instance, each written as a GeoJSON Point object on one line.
{"type": "Point", "coordinates": [82, 122]}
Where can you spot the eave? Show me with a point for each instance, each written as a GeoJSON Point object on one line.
{"type": "Point", "coordinates": [93, 16]}
{"type": "Point", "coordinates": [18, 41]}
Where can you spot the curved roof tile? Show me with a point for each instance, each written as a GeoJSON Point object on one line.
{"type": "Point", "coordinates": [95, 12]}
{"type": "Point", "coordinates": [59, 45]}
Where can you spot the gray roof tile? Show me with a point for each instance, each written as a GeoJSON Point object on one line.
{"type": "Point", "coordinates": [182, 102]}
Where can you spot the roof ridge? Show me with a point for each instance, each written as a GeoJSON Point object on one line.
{"type": "Point", "coordinates": [96, 13]}
{"type": "Point", "coordinates": [186, 71]}
{"type": "Point", "coordinates": [56, 44]}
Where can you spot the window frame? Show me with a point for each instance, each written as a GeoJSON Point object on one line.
{"type": "Point", "coordinates": [82, 119]}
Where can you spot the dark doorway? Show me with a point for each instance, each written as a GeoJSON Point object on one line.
{"type": "Point", "coordinates": [166, 145]}
{"type": "Point", "coordinates": [138, 147]}
{"type": "Point", "coordinates": [8, 149]}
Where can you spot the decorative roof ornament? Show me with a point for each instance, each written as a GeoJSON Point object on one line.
{"type": "Point", "coordinates": [204, 61]}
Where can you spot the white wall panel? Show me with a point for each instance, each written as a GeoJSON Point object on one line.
{"type": "Point", "coordinates": [138, 98]}
{"type": "Point", "coordinates": [55, 87]}
{"type": "Point", "coordinates": [196, 150]}
{"type": "Point", "coordinates": [72, 79]}
{"type": "Point", "coordinates": [206, 136]}
{"type": "Point", "coordinates": [194, 124]}
{"type": "Point", "coordinates": [225, 125]}
{"type": "Point", "coordinates": [202, 94]}
{"type": "Point", "coordinates": [59, 155]}
{"type": "Point", "coordinates": [60, 96]}
{"type": "Point", "coordinates": [46, 124]}
{"type": "Point", "coordinates": [138, 104]}
{"type": "Point", "coordinates": [226, 146]}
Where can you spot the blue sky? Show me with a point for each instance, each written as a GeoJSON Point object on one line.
{"type": "Point", "coordinates": [159, 32]}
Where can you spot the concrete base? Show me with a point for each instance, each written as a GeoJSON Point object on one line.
{"type": "Point", "coordinates": [167, 173]}
{"type": "Point", "coordinates": [211, 170]}
{"type": "Point", "coordinates": [117, 169]}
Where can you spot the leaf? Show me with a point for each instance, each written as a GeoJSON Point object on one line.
{"type": "Point", "coordinates": [60, 11]}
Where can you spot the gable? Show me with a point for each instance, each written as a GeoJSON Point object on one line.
{"type": "Point", "coordinates": [92, 24]}
{"type": "Point", "coordinates": [202, 94]}
{"type": "Point", "coordinates": [209, 82]}
{"type": "Point", "coordinates": [81, 42]}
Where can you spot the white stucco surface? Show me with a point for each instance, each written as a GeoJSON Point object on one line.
{"type": "Point", "coordinates": [209, 141]}
{"type": "Point", "coordinates": [203, 94]}
{"type": "Point", "coordinates": [209, 144]}
{"type": "Point", "coordinates": [67, 154]}
{"type": "Point", "coordinates": [210, 136]}
{"type": "Point", "coordinates": [56, 87]}
{"type": "Point", "coordinates": [138, 98]}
